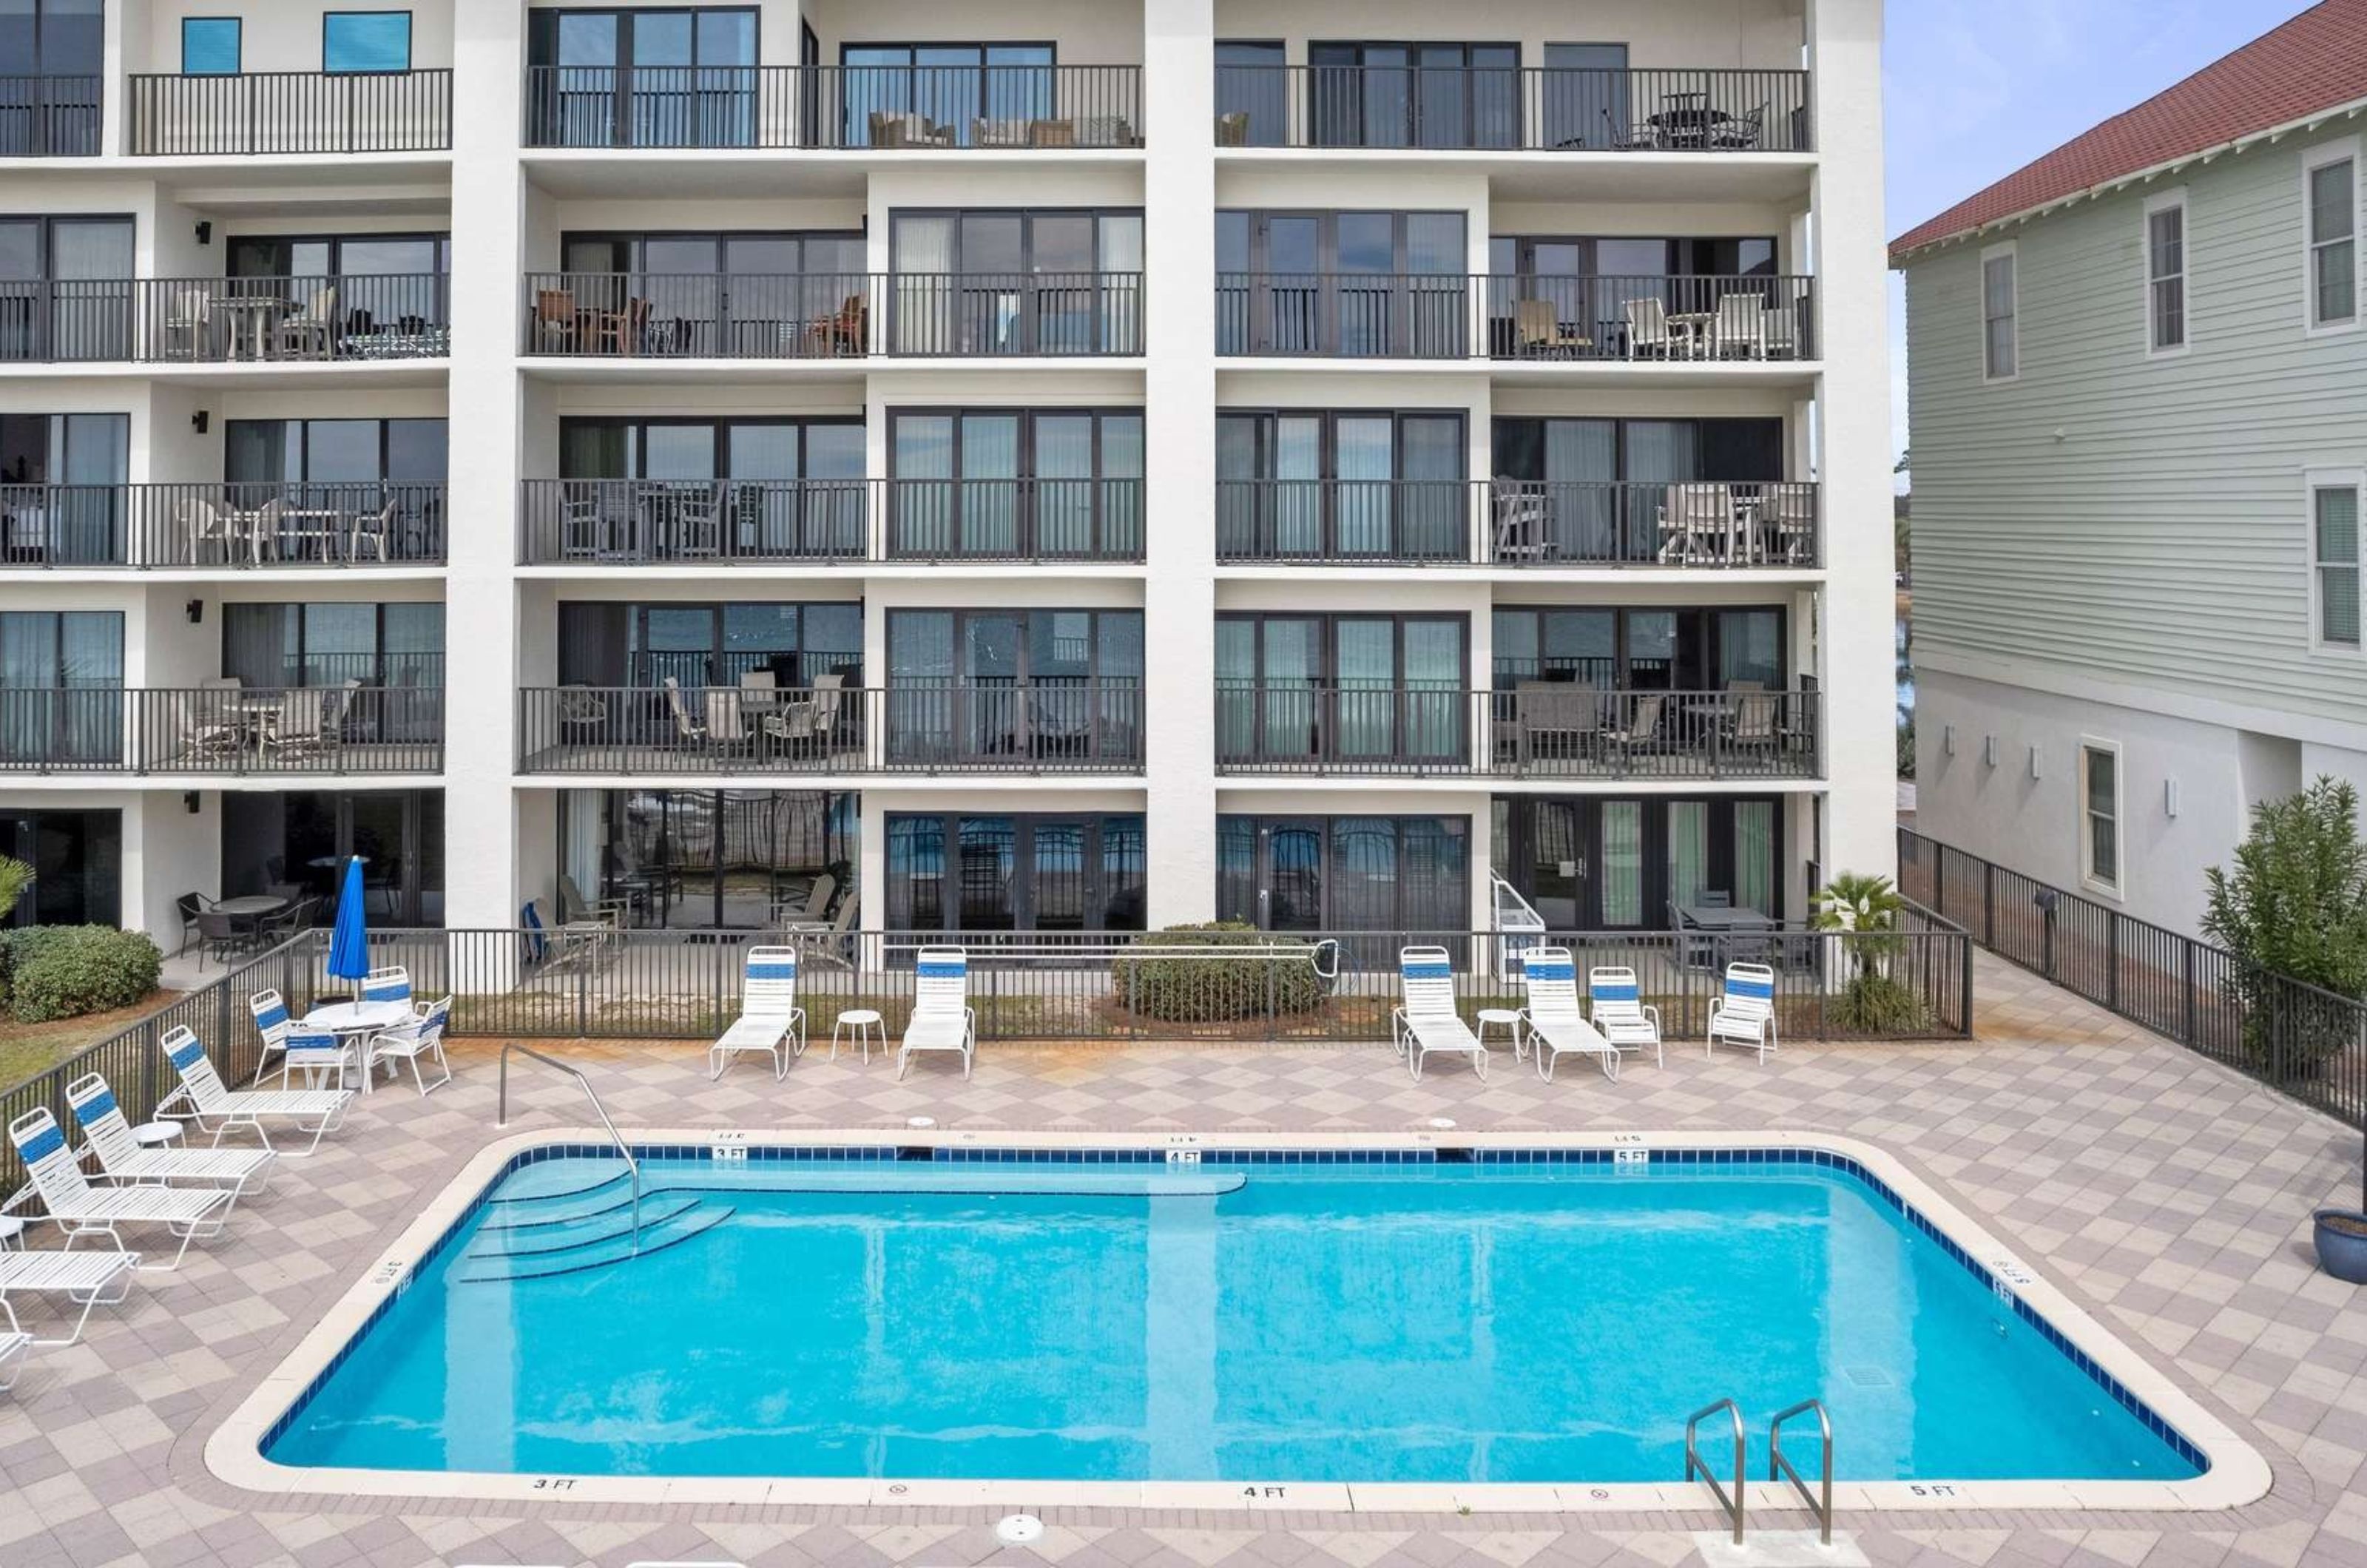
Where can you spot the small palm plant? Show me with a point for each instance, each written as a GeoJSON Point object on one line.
{"type": "Point", "coordinates": [1865, 911]}
{"type": "Point", "coordinates": [15, 877]}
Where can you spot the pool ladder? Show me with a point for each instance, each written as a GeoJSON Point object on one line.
{"type": "Point", "coordinates": [1779, 1467]}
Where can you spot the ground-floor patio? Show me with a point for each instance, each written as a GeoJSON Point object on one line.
{"type": "Point", "coordinates": [2170, 1197]}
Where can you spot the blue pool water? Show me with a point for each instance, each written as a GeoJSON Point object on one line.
{"type": "Point", "coordinates": [1337, 1322]}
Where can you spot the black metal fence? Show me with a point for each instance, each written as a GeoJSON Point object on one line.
{"type": "Point", "coordinates": [2307, 1042]}
{"type": "Point", "coordinates": [218, 321]}
{"type": "Point", "coordinates": [1406, 102]}
{"type": "Point", "coordinates": [51, 117]}
{"type": "Point", "coordinates": [1506, 316]}
{"type": "Point", "coordinates": [830, 315]}
{"type": "Point", "coordinates": [290, 111]}
{"type": "Point", "coordinates": [1517, 523]}
{"type": "Point", "coordinates": [235, 730]}
{"type": "Point", "coordinates": [984, 106]}
{"type": "Point", "coordinates": [628, 522]}
{"type": "Point", "coordinates": [209, 523]}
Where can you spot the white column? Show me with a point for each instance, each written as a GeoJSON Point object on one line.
{"type": "Point", "coordinates": [1854, 434]}
{"type": "Point", "coordinates": [481, 623]}
{"type": "Point", "coordinates": [1180, 427]}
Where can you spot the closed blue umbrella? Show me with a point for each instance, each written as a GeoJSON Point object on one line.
{"type": "Point", "coordinates": [349, 940]}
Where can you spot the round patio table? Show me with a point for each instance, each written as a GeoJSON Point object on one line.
{"type": "Point", "coordinates": [348, 1018]}
{"type": "Point", "coordinates": [252, 904]}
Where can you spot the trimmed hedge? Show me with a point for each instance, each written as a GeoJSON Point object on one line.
{"type": "Point", "coordinates": [1215, 990]}
{"type": "Point", "coordinates": [65, 971]}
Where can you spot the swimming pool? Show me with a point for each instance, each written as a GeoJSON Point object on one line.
{"type": "Point", "coordinates": [1523, 1316]}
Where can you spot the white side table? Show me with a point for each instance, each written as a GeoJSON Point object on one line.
{"type": "Point", "coordinates": [1506, 1018]}
{"type": "Point", "coordinates": [864, 1022]}
{"type": "Point", "coordinates": [12, 1231]}
{"type": "Point", "coordinates": [156, 1134]}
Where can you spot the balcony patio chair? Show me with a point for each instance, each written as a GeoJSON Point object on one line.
{"type": "Point", "coordinates": [1624, 137]}
{"type": "Point", "coordinates": [210, 726]}
{"type": "Point", "coordinates": [258, 530]}
{"type": "Point", "coordinates": [1650, 334]}
{"type": "Point", "coordinates": [1696, 949]}
{"type": "Point", "coordinates": [1642, 731]}
{"type": "Point", "coordinates": [1538, 331]}
{"type": "Point", "coordinates": [581, 712]}
{"type": "Point", "coordinates": [841, 333]}
{"type": "Point", "coordinates": [689, 727]}
{"type": "Point", "coordinates": [558, 325]}
{"type": "Point", "coordinates": [804, 726]}
{"type": "Point", "coordinates": [310, 333]}
{"type": "Point", "coordinates": [1742, 133]}
{"type": "Point", "coordinates": [1698, 524]}
{"type": "Point", "coordinates": [1755, 731]}
{"type": "Point", "coordinates": [624, 331]}
{"type": "Point", "coordinates": [727, 723]}
{"type": "Point", "coordinates": [1003, 133]}
{"type": "Point", "coordinates": [694, 526]}
{"type": "Point", "coordinates": [374, 529]}
{"type": "Point", "coordinates": [1739, 331]}
{"type": "Point", "coordinates": [1233, 129]}
{"type": "Point", "coordinates": [760, 694]}
{"type": "Point", "coordinates": [297, 730]}
{"type": "Point", "coordinates": [1557, 721]}
{"type": "Point", "coordinates": [188, 324]}
{"type": "Point", "coordinates": [1521, 528]}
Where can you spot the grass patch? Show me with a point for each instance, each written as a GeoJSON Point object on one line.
{"type": "Point", "coordinates": [30, 1048]}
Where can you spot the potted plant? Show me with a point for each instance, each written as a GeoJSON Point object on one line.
{"type": "Point", "coordinates": [2341, 1237]}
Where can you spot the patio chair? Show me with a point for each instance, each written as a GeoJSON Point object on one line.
{"type": "Point", "coordinates": [189, 905]}
{"type": "Point", "coordinates": [1522, 523]}
{"type": "Point", "coordinates": [1743, 1013]}
{"type": "Point", "coordinates": [815, 909]}
{"type": "Point", "coordinates": [201, 1098]}
{"type": "Point", "coordinates": [388, 983]}
{"type": "Point", "coordinates": [576, 910]}
{"type": "Point", "coordinates": [1754, 724]}
{"type": "Point", "coordinates": [423, 1036]}
{"type": "Point", "coordinates": [830, 941]}
{"type": "Point", "coordinates": [769, 1015]}
{"type": "Point", "coordinates": [1643, 727]}
{"type": "Point", "coordinates": [1550, 1020]}
{"type": "Point", "coordinates": [1649, 336]}
{"type": "Point", "coordinates": [85, 1278]}
{"type": "Point", "coordinates": [121, 1159]}
{"type": "Point", "coordinates": [374, 529]}
{"type": "Point", "coordinates": [1697, 523]}
{"type": "Point", "coordinates": [1537, 331]}
{"type": "Point", "coordinates": [311, 332]}
{"type": "Point", "coordinates": [1425, 1021]}
{"type": "Point", "coordinates": [222, 937]}
{"type": "Point", "coordinates": [556, 321]}
{"type": "Point", "coordinates": [315, 1051]}
{"type": "Point", "coordinates": [1743, 133]}
{"type": "Point", "coordinates": [1787, 515]}
{"type": "Point", "coordinates": [188, 324]}
{"type": "Point", "coordinates": [727, 721]}
{"type": "Point", "coordinates": [205, 523]}
{"type": "Point", "coordinates": [1620, 1011]}
{"type": "Point", "coordinates": [687, 725]}
{"type": "Point", "coordinates": [69, 1203]}
{"type": "Point", "coordinates": [1628, 138]}
{"type": "Point", "coordinates": [1558, 720]}
{"type": "Point", "coordinates": [941, 1018]}
{"type": "Point", "coordinates": [300, 730]}
{"type": "Point", "coordinates": [842, 333]}
{"type": "Point", "coordinates": [804, 726]}
{"type": "Point", "coordinates": [1739, 332]}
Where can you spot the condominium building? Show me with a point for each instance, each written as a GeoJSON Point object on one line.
{"type": "Point", "coordinates": [2138, 396]}
{"type": "Point", "coordinates": [944, 466]}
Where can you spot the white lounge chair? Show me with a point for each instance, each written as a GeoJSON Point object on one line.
{"type": "Point", "coordinates": [1424, 1020]}
{"type": "Point", "coordinates": [203, 1099]}
{"type": "Point", "coordinates": [13, 1346]}
{"type": "Point", "coordinates": [1621, 1013]}
{"type": "Point", "coordinates": [769, 1015]}
{"type": "Point", "coordinates": [1744, 1013]}
{"type": "Point", "coordinates": [1551, 1020]}
{"type": "Point", "coordinates": [315, 1051]}
{"type": "Point", "coordinates": [423, 1036]}
{"type": "Point", "coordinates": [941, 1018]}
{"type": "Point", "coordinates": [78, 1209]}
{"type": "Point", "coordinates": [88, 1279]}
{"type": "Point", "coordinates": [123, 1161]}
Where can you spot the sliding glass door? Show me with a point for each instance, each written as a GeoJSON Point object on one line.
{"type": "Point", "coordinates": [1047, 685]}
{"type": "Point", "coordinates": [1021, 872]}
{"type": "Point", "coordinates": [675, 77]}
{"type": "Point", "coordinates": [945, 94]}
{"type": "Point", "coordinates": [1319, 689]}
{"type": "Point", "coordinates": [61, 687]}
{"type": "Point", "coordinates": [1308, 485]}
{"type": "Point", "coordinates": [62, 496]}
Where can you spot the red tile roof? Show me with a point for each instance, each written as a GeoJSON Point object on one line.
{"type": "Point", "coordinates": [2315, 61]}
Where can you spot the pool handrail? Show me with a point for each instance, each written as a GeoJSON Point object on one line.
{"type": "Point", "coordinates": [1731, 1504]}
{"type": "Point", "coordinates": [502, 1119]}
{"type": "Point", "coordinates": [1780, 1468]}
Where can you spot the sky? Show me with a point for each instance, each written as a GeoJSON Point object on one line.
{"type": "Point", "coordinates": [1974, 89]}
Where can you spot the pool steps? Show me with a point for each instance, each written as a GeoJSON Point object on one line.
{"type": "Point", "coordinates": [693, 1219]}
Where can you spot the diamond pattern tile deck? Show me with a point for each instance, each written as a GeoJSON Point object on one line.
{"type": "Point", "coordinates": [2171, 1196]}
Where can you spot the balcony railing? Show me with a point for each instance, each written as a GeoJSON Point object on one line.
{"type": "Point", "coordinates": [1057, 727]}
{"type": "Point", "coordinates": [51, 117]}
{"type": "Point", "coordinates": [643, 315]}
{"type": "Point", "coordinates": [1536, 731]}
{"type": "Point", "coordinates": [335, 730]}
{"type": "Point", "coordinates": [290, 111]}
{"type": "Point", "coordinates": [220, 321]}
{"type": "Point", "coordinates": [209, 524]}
{"type": "Point", "coordinates": [758, 522]}
{"type": "Point", "coordinates": [1516, 523]}
{"type": "Point", "coordinates": [1532, 108]}
{"type": "Point", "coordinates": [1679, 319]}
{"type": "Point", "coordinates": [827, 106]}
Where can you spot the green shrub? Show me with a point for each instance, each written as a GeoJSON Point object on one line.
{"type": "Point", "coordinates": [1877, 1004]}
{"type": "Point", "coordinates": [66, 971]}
{"type": "Point", "coordinates": [1215, 990]}
{"type": "Point", "coordinates": [2294, 908]}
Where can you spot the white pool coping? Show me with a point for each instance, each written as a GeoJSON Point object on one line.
{"type": "Point", "coordinates": [2236, 1474]}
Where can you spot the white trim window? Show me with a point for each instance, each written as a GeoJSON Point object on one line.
{"type": "Point", "coordinates": [2335, 559]}
{"type": "Point", "coordinates": [2000, 308]}
{"type": "Point", "coordinates": [2164, 251]}
{"type": "Point", "coordinates": [2329, 194]}
{"type": "Point", "coordinates": [2100, 815]}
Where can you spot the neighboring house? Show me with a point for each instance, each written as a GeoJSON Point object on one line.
{"type": "Point", "coordinates": [962, 469]}
{"type": "Point", "coordinates": [2137, 380]}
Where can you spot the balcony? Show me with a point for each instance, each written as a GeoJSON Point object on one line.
{"type": "Point", "coordinates": [1538, 730]}
{"type": "Point", "coordinates": [51, 117]}
{"type": "Point", "coordinates": [1513, 108]}
{"type": "Point", "coordinates": [228, 526]}
{"type": "Point", "coordinates": [223, 729]}
{"type": "Point", "coordinates": [776, 522]}
{"type": "Point", "coordinates": [1665, 319]}
{"type": "Point", "coordinates": [831, 108]}
{"type": "Point", "coordinates": [1516, 523]}
{"type": "Point", "coordinates": [261, 112]}
{"type": "Point", "coordinates": [808, 316]}
{"type": "Point", "coordinates": [918, 727]}
{"type": "Point", "coordinates": [225, 321]}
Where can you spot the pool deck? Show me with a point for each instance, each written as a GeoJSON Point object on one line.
{"type": "Point", "coordinates": [2168, 1196]}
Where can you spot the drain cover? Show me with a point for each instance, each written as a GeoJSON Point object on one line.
{"type": "Point", "coordinates": [1441, 1122]}
{"type": "Point", "coordinates": [1018, 1530]}
{"type": "Point", "coordinates": [920, 1121]}
{"type": "Point", "coordinates": [1869, 1377]}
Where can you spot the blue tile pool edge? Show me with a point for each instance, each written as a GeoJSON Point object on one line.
{"type": "Point", "coordinates": [1818, 1158]}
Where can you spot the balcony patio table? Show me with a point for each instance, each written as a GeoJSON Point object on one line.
{"type": "Point", "coordinates": [250, 320]}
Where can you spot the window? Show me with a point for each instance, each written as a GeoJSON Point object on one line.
{"type": "Point", "coordinates": [2164, 217]}
{"type": "Point", "coordinates": [2000, 338]}
{"type": "Point", "coordinates": [1012, 484]}
{"type": "Point", "coordinates": [924, 95]}
{"type": "Point", "coordinates": [61, 44]}
{"type": "Point", "coordinates": [2334, 558]}
{"type": "Point", "coordinates": [1345, 873]}
{"type": "Point", "coordinates": [2330, 197]}
{"type": "Point", "coordinates": [1015, 872]}
{"type": "Point", "coordinates": [1293, 689]}
{"type": "Point", "coordinates": [1006, 280]}
{"type": "Point", "coordinates": [365, 41]}
{"type": "Point", "coordinates": [1308, 484]}
{"type": "Point", "coordinates": [2100, 815]}
{"type": "Point", "coordinates": [683, 76]}
{"type": "Point", "coordinates": [1408, 95]}
{"type": "Point", "coordinates": [1640, 649]}
{"type": "Point", "coordinates": [696, 645]}
{"type": "Point", "coordinates": [210, 46]}
{"type": "Point", "coordinates": [327, 644]}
